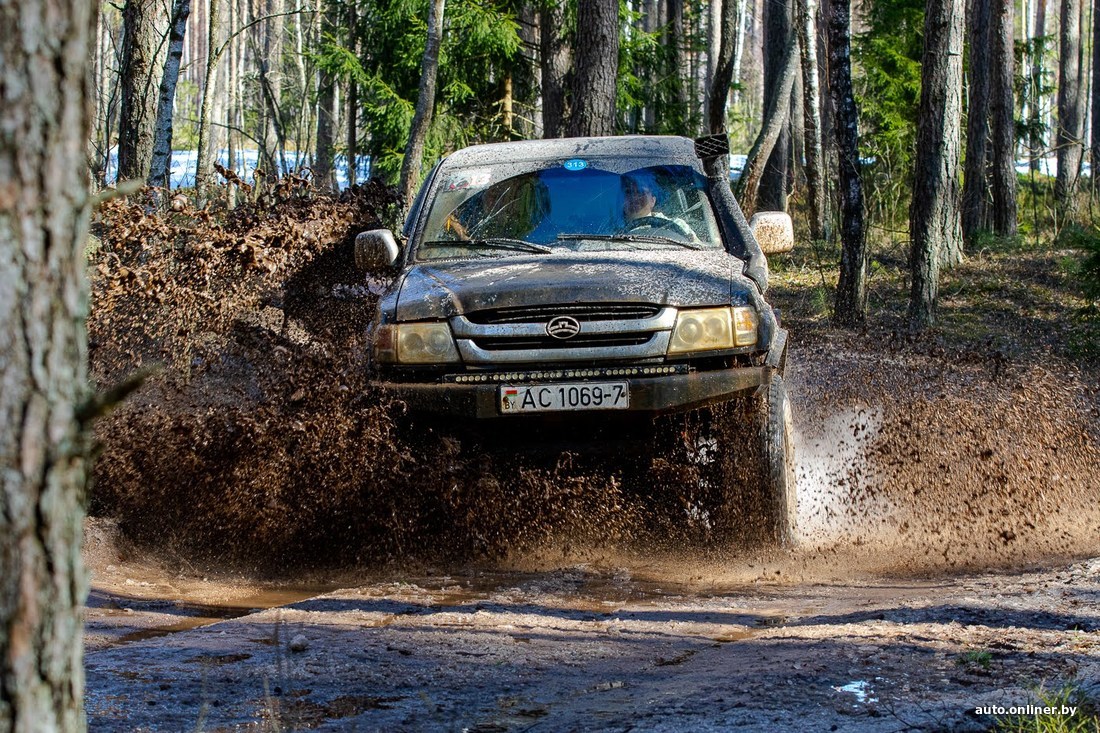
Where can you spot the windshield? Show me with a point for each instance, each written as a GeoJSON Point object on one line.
{"type": "Point", "coordinates": [577, 205]}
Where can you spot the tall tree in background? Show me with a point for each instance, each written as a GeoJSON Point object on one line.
{"type": "Point", "coordinates": [204, 172]}
{"type": "Point", "coordinates": [162, 139]}
{"type": "Point", "coordinates": [1002, 152]}
{"type": "Point", "coordinates": [425, 102]}
{"type": "Point", "coordinates": [851, 291]}
{"type": "Point", "coordinates": [596, 71]}
{"type": "Point", "coordinates": [935, 230]}
{"type": "Point", "coordinates": [324, 174]}
{"type": "Point", "coordinates": [143, 23]}
{"type": "Point", "coordinates": [1035, 85]}
{"type": "Point", "coordinates": [1096, 95]}
{"type": "Point", "coordinates": [1070, 118]}
{"type": "Point", "coordinates": [45, 116]}
{"type": "Point", "coordinates": [778, 29]}
{"type": "Point", "coordinates": [975, 198]}
{"type": "Point", "coordinates": [555, 61]}
{"type": "Point", "coordinates": [722, 78]}
{"type": "Point", "coordinates": [814, 157]}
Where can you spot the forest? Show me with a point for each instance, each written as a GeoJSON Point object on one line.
{"type": "Point", "coordinates": [890, 123]}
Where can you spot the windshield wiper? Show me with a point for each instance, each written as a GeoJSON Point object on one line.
{"type": "Point", "coordinates": [630, 238]}
{"type": "Point", "coordinates": [516, 245]}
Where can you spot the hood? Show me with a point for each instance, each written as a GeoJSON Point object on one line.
{"type": "Point", "coordinates": [664, 277]}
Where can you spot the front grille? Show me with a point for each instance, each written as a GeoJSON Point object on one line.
{"type": "Point", "coordinates": [593, 341]}
{"type": "Point", "coordinates": [581, 311]}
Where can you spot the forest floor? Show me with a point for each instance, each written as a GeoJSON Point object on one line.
{"type": "Point", "coordinates": [274, 548]}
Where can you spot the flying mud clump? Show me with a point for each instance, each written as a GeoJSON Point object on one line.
{"type": "Point", "coordinates": [259, 442]}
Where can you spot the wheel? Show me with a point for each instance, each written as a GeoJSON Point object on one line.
{"type": "Point", "coordinates": [778, 496]}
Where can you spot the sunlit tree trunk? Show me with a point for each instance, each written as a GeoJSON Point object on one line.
{"type": "Point", "coordinates": [596, 70]}
{"type": "Point", "coordinates": [162, 143]}
{"type": "Point", "coordinates": [1070, 127]}
{"type": "Point", "coordinates": [778, 27]}
{"type": "Point", "coordinates": [45, 118]}
{"type": "Point", "coordinates": [1002, 152]}
{"type": "Point", "coordinates": [935, 229]}
{"type": "Point", "coordinates": [851, 291]}
{"type": "Point", "coordinates": [811, 115]}
{"type": "Point", "coordinates": [204, 174]}
{"type": "Point", "coordinates": [144, 24]}
{"type": "Point", "coordinates": [425, 102]}
{"type": "Point", "coordinates": [555, 61]}
{"type": "Point", "coordinates": [975, 199]}
{"type": "Point", "coordinates": [1096, 95]}
{"type": "Point", "coordinates": [323, 173]}
{"type": "Point", "coordinates": [1035, 121]}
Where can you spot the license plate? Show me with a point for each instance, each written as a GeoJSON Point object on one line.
{"type": "Point", "coordinates": [560, 397]}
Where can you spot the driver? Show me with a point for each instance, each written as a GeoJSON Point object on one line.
{"type": "Point", "coordinates": [640, 191]}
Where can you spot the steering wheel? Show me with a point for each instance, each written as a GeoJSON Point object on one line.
{"type": "Point", "coordinates": [658, 222]}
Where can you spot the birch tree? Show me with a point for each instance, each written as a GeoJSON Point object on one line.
{"type": "Point", "coordinates": [422, 117]}
{"type": "Point", "coordinates": [45, 116]}
{"type": "Point", "coordinates": [166, 102]}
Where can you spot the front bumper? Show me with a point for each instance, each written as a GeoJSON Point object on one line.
{"type": "Point", "coordinates": [650, 394]}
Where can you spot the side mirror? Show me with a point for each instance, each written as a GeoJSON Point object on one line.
{"type": "Point", "coordinates": [773, 230]}
{"type": "Point", "coordinates": [375, 250]}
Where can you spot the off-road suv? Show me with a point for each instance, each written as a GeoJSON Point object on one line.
{"type": "Point", "coordinates": [589, 276]}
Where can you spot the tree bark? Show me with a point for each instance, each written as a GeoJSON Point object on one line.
{"type": "Point", "coordinates": [204, 172]}
{"type": "Point", "coordinates": [778, 27]}
{"type": "Point", "coordinates": [271, 82]}
{"type": "Point", "coordinates": [425, 102]}
{"type": "Point", "coordinates": [555, 61]}
{"type": "Point", "coordinates": [1096, 95]}
{"type": "Point", "coordinates": [811, 114]}
{"type": "Point", "coordinates": [159, 174]}
{"type": "Point", "coordinates": [715, 32]}
{"type": "Point", "coordinates": [1002, 153]}
{"type": "Point", "coordinates": [1035, 121]}
{"type": "Point", "coordinates": [934, 221]}
{"type": "Point", "coordinates": [776, 116]}
{"type": "Point", "coordinates": [739, 47]}
{"type": "Point", "coordinates": [975, 198]}
{"type": "Point", "coordinates": [143, 33]}
{"type": "Point", "coordinates": [1068, 139]}
{"type": "Point", "coordinates": [45, 116]}
{"type": "Point", "coordinates": [722, 78]}
{"type": "Point", "coordinates": [677, 110]}
{"type": "Point", "coordinates": [597, 66]}
{"type": "Point", "coordinates": [323, 174]}
{"type": "Point", "coordinates": [851, 290]}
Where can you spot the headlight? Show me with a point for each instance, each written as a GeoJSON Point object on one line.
{"type": "Point", "coordinates": [712, 329]}
{"type": "Point", "coordinates": [425, 343]}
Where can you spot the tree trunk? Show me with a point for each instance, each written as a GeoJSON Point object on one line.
{"type": "Point", "coordinates": [204, 173]}
{"type": "Point", "coordinates": [811, 114]}
{"type": "Point", "coordinates": [596, 71]}
{"type": "Point", "coordinates": [323, 173]}
{"type": "Point", "coordinates": [1096, 95]}
{"type": "Point", "coordinates": [975, 199]}
{"type": "Point", "coordinates": [1002, 153]}
{"type": "Point", "coordinates": [44, 212]}
{"type": "Point", "coordinates": [1035, 120]}
{"type": "Point", "coordinates": [555, 60]}
{"type": "Point", "coordinates": [271, 80]}
{"type": "Point", "coordinates": [778, 27]}
{"type": "Point", "coordinates": [1069, 135]}
{"type": "Point", "coordinates": [676, 112]}
{"type": "Point", "coordinates": [722, 78]}
{"type": "Point", "coordinates": [776, 116]}
{"type": "Point", "coordinates": [425, 102]}
{"type": "Point", "coordinates": [739, 47]}
{"type": "Point", "coordinates": [851, 289]}
{"type": "Point", "coordinates": [159, 174]}
{"type": "Point", "coordinates": [715, 32]}
{"type": "Point", "coordinates": [143, 31]}
{"type": "Point", "coordinates": [934, 222]}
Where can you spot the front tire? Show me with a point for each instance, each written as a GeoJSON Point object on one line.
{"type": "Point", "coordinates": [775, 434]}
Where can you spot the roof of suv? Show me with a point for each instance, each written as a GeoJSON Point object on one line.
{"type": "Point", "coordinates": [656, 146]}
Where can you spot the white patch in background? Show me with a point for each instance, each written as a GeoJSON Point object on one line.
{"type": "Point", "coordinates": [836, 497]}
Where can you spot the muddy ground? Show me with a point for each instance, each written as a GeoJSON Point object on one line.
{"type": "Point", "coordinates": [275, 545]}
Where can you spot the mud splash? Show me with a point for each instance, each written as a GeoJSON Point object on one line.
{"type": "Point", "coordinates": [261, 445]}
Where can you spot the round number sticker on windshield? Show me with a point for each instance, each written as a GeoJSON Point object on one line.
{"type": "Point", "coordinates": [576, 164]}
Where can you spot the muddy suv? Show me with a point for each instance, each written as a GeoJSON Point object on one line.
{"type": "Point", "coordinates": [587, 278]}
